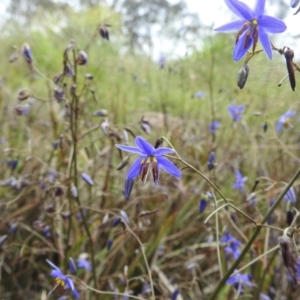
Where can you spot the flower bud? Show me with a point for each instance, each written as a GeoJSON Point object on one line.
{"type": "Point", "coordinates": [23, 95]}
{"type": "Point", "coordinates": [104, 32]}
{"type": "Point", "coordinates": [27, 54]}
{"type": "Point", "coordinates": [242, 76]}
{"type": "Point", "coordinates": [82, 58]}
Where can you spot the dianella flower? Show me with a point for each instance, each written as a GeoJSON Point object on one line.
{"type": "Point", "coordinates": [62, 280]}
{"type": "Point", "coordinates": [253, 25]}
{"type": "Point", "coordinates": [290, 196]}
{"type": "Point", "coordinates": [232, 247]}
{"type": "Point", "coordinates": [150, 159]}
{"type": "Point", "coordinates": [284, 120]}
{"type": "Point", "coordinates": [236, 111]}
{"type": "Point", "coordinates": [240, 281]}
{"type": "Point", "coordinates": [239, 181]}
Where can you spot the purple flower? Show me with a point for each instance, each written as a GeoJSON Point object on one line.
{"type": "Point", "coordinates": [161, 61]}
{"type": "Point", "coordinates": [294, 3]}
{"type": "Point", "coordinates": [175, 294]}
{"type": "Point", "coordinates": [84, 263]}
{"type": "Point", "coordinates": [284, 120]}
{"type": "Point", "coordinates": [290, 196]}
{"type": "Point", "coordinates": [232, 245]}
{"type": "Point", "coordinates": [239, 181]}
{"type": "Point", "coordinates": [239, 281]}
{"type": "Point", "coordinates": [27, 54]}
{"type": "Point", "coordinates": [199, 95]}
{"type": "Point", "coordinates": [62, 279]}
{"type": "Point", "coordinates": [213, 126]}
{"type": "Point", "coordinates": [87, 179]}
{"type": "Point", "coordinates": [150, 159]}
{"type": "Point", "coordinates": [202, 205]}
{"type": "Point", "coordinates": [211, 161]}
{"type": "Point", "coordinates": [264, 297]}
{"type": "Point", "coordinates": [253, 25]}
{"type": "Point", "coordinates": [236, 111]}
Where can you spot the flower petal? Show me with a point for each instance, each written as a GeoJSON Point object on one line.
{"type": "Point", "coordinates": [162, 151]}
{"type": "Point", "coordinates": [259, 8]}
{"type": "Point", "coordinates": [168, 166]}
{"type": "Point", "coordinates": [279, 126]}
{"type": "Point", "coordinates": [234, 25]}
{"type": "Point", "coordinates": [53, 265]}
{"type": "Point", "coordinates": [294, 3]}
{"type": "Point", "coordinates": [134, 170]}
{"type": "Point", "coordinates": [144, 146]}
{"type": "Point", "coordinates": [265, 42]}
{"type": "Point", "coordinates": [239, 49]}
{"type": "Point", "coordinates": [240, 9]}
{"type": "Point", "coordinates": [271, 24]}
{"type": "Point", "coordinates": [131, 149]}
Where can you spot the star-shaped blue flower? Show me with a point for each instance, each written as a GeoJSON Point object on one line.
{"type": "Point", "coordinates": [239, 181]}
{"type": "Point", "coordinates": [239, 281]}
{"type": "Point", "coordinates": [150, 159]}
{"type": "Point", "coordinates": [236, 111]}
{"type": "Point", "coordinates": [284, 120]}
{"type": "Point", "coordinates": [62, 280]}
{"type": "Point", "coordinates": [253, 25]}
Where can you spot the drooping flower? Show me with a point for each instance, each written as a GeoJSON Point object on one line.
{"type": "Point", "coordinates": [202, 205]}
{"type": "Point", "coordinates": [62, 280]}
{"type": "Point", "coordinates": [213, 126]}
{"type": "Point", "coordinates": [150, 158]}
{"type": "Point", "coordinates": [294, 3]}
{"type": "Point", "coordinates": [284, 120]}
{"type": "Point", "coordinates": [83, 262]}
{"type": "Point", "coordinates": [240, 281]}
{"type": "Point", "coordinates": [290, 196]}
{"type": "Point", "coordinates": [232, 245]}
{"type": "Point", "coordinates": [253, 25]}
{"type": "Point", "coordinates": [236, 111]}
{"type": "Point", "coordinates": [239, 181]}
{"type": "Point", "coordinates": [211, 161]}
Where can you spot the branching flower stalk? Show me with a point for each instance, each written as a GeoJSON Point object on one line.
{"type": "Point", "coordinates": [74, 167]}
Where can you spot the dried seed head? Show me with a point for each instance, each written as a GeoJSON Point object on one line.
{"type": "Point", "coordinates": [242, 76]}
{"type": "Point", "coordinates": [82, 58]}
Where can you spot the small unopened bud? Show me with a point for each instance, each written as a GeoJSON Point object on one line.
{"type": "Point", "coordinates": [289, 259]}
{"type": "Point", "coordinates": [123, 163]}
{"type": "Point", "coordinates": [82, 58]}
{"type": "Point", "coordinates": [88, 76]}
{"type": "Point", "coordinates": [72, 265]}
{"type": "Point", "coordinates": [202, 205]}
{"type": "Point", "coordinates": [27, 54]}
{"type": "Point", "coordinates": [104, 32]}
{"type": "Point", "coordinates": [289, 217]}
{"type": "Point", "coordinates": [158, 143]}
{"type": "Point", "coordinates": [23, 95]}
{"type": "Point", "coordinates": [146, 126]}
{"type": "Point", "coordinates": [59, 94]}
{"type": "Point", "coordinates": [68, 72]}
{"type": "Point", "coordinates": [100, 113]}
{"type": "Point", "coordinates": [211, 161]}
{"type": "Point", "coordinates": [242, 76]}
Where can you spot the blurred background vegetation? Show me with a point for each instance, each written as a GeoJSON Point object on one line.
{"type": "Point", "coordinates": [137, 89]}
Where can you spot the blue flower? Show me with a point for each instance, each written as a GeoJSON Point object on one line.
{"type": "Point", "coordinates": [150, 158]}
{"type": "Point", "coordinates": [239, 181]}
{"type": "Point", "coordinates": [290, 196]}
{"type": "Point", "coordinates": [236, 111]}
{"type": "Point", "coordinates": [239, 281]}
{"type": "Point", "coordinates": [213, 126]}
{"type": "Point", "coordinates": [161, 61]}
{"type": "Point", "coordinates": [211, 161]}
{"type": "Point", "coordinates": [202, 205]}
{"type": "Point", "coordinates": [284, 120]}
{"type": "Point", "coordinates": [199, 95]}
{"type": "Point", "coordinates": [232, 245]}
{"type": "Point", "coordinates": [84, 263]}
{"type": "Point", "coordinates": [294, 3]}
{"type": "Point", "coordinates": [62, 280]}
{"type": "Point", "coordinates": [253, 25]}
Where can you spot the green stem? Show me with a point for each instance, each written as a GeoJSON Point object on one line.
{"type": "Point", "coordinates": [222, 282]}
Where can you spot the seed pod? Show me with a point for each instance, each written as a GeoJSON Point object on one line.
{"type": "Point", "coordinates": [242, 76]}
